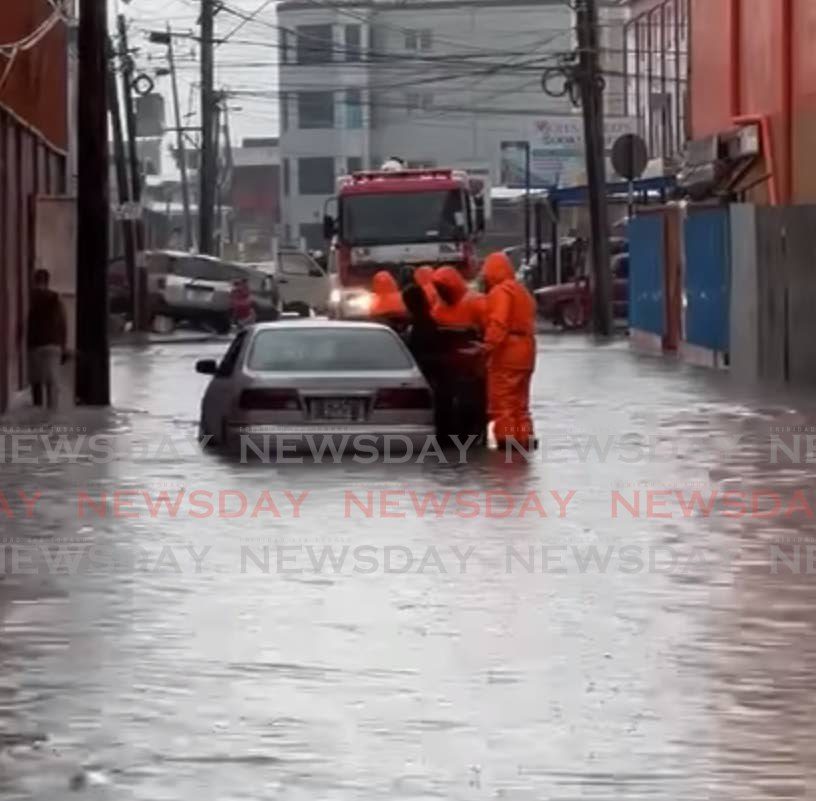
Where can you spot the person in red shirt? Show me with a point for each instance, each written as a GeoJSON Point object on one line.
{"type": "Point", "coordinates": [243, 312]}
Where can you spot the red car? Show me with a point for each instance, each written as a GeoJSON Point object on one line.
{"type": "Point", "coordinates": [569, 305]}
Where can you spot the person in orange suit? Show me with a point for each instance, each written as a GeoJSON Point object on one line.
{"type": "Point", "coordinates": [423, 277]}
{"type": "Point", "coordinates": [386, 303]}
{"type": "Point", "coordinates": [458, 306]}
{"type": "Point", "coordinates": [510, 345]}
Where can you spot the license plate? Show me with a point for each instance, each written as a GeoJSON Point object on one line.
{"type": "Point", "coordinates": [335, 409]}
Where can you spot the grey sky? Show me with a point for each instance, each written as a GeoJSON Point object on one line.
{"type": "Point", "coordinates": [239, 65]}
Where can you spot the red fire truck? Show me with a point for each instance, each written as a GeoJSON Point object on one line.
{"type": "Point", "coordinates": [397, 218]}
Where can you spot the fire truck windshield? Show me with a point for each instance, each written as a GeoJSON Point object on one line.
{"type": "Point", "coordinates": [402, 218]}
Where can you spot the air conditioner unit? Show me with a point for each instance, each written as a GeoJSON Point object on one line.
{"type": "Point", "coordinates": [744, 143]}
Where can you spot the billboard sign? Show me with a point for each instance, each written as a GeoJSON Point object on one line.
{"type": "Point", "coordinates": [556, 150]}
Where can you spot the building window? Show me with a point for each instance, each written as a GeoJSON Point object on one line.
{"type": "Point", "coordinates": [284, 46]}
{"type": "Point", "coordinates": [286, 177]}
{"type": "Point", "coordinates": [316, 175]}
{"type": "Point", "coordinates": [418, 101]}
{"type": "Point", "coordinates": [353, 43]}
{"type": "Point", "coordinates": [314, 44]}
{"type": "Point", "coordinates": [315, 110]}
{"type": "Point", "coordinates": [284, 101]}
{"type": "Point", "coordinates": [354, 109]}
{"type": "Point", "coordinates": [419, 39]}
{"type": "Point", "coordinates": [354, 164]}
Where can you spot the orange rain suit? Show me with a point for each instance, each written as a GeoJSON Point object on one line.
{"type": "Point", "coordinates": [423, 277]}
{"type": "Point", "coordinates": [468, 308]}
{"type": "Point", "coordinates": [387, 299]}
{"type": "Point", "coordinates": [510, 345]}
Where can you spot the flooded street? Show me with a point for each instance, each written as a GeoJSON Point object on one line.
{"type": "Point", "coordinates": [576, 626]}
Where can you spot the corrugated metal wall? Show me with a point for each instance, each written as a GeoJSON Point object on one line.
{"type": "Point", "coordinates": [28, 167]}
{"type": "Point", "coordinates": [706, 279]}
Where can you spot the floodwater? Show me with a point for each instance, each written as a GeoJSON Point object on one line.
{"type": "Point", "coordinates": [382, 648]}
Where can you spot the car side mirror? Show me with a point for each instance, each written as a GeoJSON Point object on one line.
{"type": "Point", "coordinates": [206, 366]}
{"type": "Point", "coordinates": [329, 226]}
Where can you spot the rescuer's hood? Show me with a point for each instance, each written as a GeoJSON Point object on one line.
{"type": "Point", "coordinates": [497, 268]}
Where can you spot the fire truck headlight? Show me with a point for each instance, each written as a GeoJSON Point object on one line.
{"type": "Point", "coordinates": [335, 296]}
{"type": "Point", "coordinates": [361, 304]}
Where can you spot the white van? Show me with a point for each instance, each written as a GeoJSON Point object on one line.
{"type": "Point", "coordinates": [302, 282]}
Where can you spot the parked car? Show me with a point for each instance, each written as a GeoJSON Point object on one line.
{"type": "Point", "coordinates": [316, 377]}
{"type": "Point", "coordinates": [304, 284]}
{"type": "Point", "coordinates": [569, 304]}
{"type": "Point", "coordinates": [196, 288]}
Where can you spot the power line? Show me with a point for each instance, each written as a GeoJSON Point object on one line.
{"type": "Point", "coordinates": [243, 22]}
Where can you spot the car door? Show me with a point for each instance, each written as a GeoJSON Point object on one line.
{"type": "Point", "coordinates": [219, 393]}
{"type": "Point", "coordinates": [302, 280]}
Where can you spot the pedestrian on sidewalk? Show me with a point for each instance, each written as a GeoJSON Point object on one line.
{"type": "Point", "coordinates": [46, 338]}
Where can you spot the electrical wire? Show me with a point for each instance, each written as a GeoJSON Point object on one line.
{"type": "Point", "coordinates": [10, 51]}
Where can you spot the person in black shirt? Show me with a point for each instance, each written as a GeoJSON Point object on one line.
{"type": "Point", "coordinates": [46, 334]}
{"type": "Point", "coordinates": [450, 360]}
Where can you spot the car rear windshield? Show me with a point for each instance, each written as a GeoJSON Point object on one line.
{"type": "Point", "coordinates": [329, 350]}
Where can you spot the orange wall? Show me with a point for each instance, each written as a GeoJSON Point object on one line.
{"type": "Point", "coordinates": [769, 55]}
{"type": "Point", "coordinates": [709, 61]}
{"type": "Point", "coordinates": [36, 89]}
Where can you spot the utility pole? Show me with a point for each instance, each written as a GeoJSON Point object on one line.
{"type": "Point", "coordinates": [527, 203]}
{"type": "Point", "coordinates": [207, 167]}
{"type": "Point", "coordinates": [225, 177]}
{"type": "Point", "coordinates": [128, 238]}
{"type": "Point", "coordinates": [217, 148]}
{"type": "Point", "coordinates": [133, 157]}
{"type": "Point", "coordinates": [130, 113]}
{"type": "Point", "coordinates": [591, 87]}
{"type": "Point", "coordinates": [180, 146]}
{"type": "Point", "coordinates": [93, 209]}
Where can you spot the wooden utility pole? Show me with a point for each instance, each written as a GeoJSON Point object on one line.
{"type": "Point", "coordinates": [180, 146]}
{"type": "Point", "coordinates": [207, 167]}
{"type": "Point", "coordinates": [133, 158]}
{"type": "Point", "coordinates": [93, 209]}
{"type": "Point", "coordinates": [128, 238]}
{"type": "Point", "coordinates": [130, 113]}
{"type": "Point", "coordinates": [217, 232]}
{"type": "Point", "coordinates": [591, 87]}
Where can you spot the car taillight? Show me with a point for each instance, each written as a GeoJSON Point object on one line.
{"type": "Point", "coordinates": [269, 399]}
{"type": "Point", "coordinates": [161, 283]}
{"type": "Point", "coordinates": [404, 398]}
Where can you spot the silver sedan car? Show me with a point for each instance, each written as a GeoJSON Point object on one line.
{"type": "Point", "coordinates": [296, 383]}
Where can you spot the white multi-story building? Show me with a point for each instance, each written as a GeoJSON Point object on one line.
{"type": "Point", "coordinates": [434, 82]}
